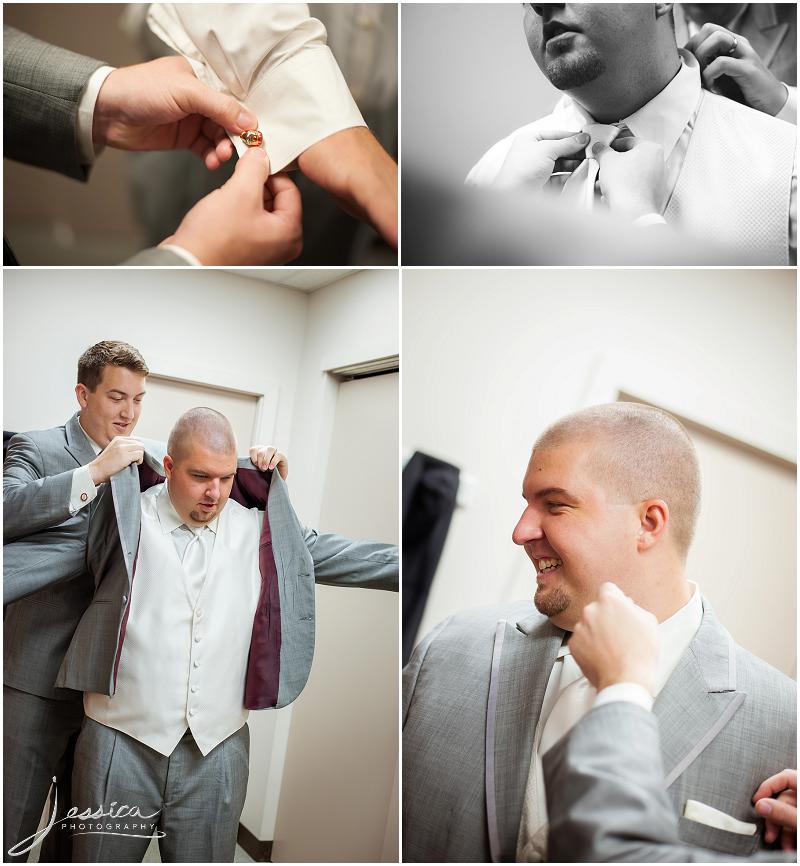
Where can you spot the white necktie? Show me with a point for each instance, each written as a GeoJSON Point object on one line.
{"type": "Point", "coordinates": [196, 558]}
{"type": "Point", "coordinates": [575, 699]}
{"type": "Point", "coordinates": [579, 190]}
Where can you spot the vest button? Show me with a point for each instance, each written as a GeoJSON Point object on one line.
{"type": "Point", "coordinates": [199, 614]}
{"type": "Point", "coordinates": [197, 638]}
{"type": "Point", "coordinates": [124, 599]}
{"type": "Point", "coordinates": [192, 712]}
{"type": "Point", "coordinates": [196, 663]}
{"type": "Point", "coordinates": [194, 688]}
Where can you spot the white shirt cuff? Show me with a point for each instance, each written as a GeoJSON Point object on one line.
{"type": "Point", "coordinates": [633, 693]}
{"type": "Point", "coordinates": [82, 491]}
{"type": "Point", "coordinates": [188, 257]}
{"type": "Point", "coordinates": [650, 219]}
{"type": "Point", "coordinates": [86, 147]}
{"type": "Point", "coordinates": [789, 110]}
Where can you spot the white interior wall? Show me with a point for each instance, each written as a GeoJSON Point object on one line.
{"type": "Point", "coordinates": [491, 357]}
{"type": "Point", "coordinates": [209, 323]}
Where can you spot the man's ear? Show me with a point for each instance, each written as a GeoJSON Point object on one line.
{"type": "Point", "coordinates": [663, 9]}
{"type": "Point", "coordinates": [653, 521]}
{"type": "Point", "coordinates": [169, 465]}
{"type": "Point", "coordinates": [80, 392]}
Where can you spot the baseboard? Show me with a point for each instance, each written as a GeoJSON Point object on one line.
{"type": "Point", "coordinates": [255, 848]}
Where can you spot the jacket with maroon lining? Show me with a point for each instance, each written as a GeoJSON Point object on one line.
{"type": "Point", "coordinates": [291, 558]}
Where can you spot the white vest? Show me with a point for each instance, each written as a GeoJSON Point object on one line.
{"type": "Point", "coordinates": [735, 184]}
{"type": "Point", "coordinates": [184, 665]}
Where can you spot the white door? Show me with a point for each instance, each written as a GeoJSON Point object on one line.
{"type": "Point", "coordinates": [166, 399]}
{"type": "Point", "coordinates": [744, 553]}
{"type": "Point", "coordinates": [339, 798]}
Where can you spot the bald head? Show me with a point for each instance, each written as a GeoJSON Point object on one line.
{"type": "Point", "coordinates": [640, 453]}
{"type": "Point", "coordinates": [204, 428]}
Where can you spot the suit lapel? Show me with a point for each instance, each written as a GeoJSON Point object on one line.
{"type": "Point", "coordinates": [768, 35]}
{"type": "Point", "coordinates": [523, 655]}
{"type": "Point", "coordinates": [699, 698]}
{"type": "Point", "coordinates": [77, 443]}
{"type": "Point", "coordinates": [125, 492]}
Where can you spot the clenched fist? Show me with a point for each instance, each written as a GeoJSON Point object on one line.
{"type": "Point", "coordinates": [120, 452]}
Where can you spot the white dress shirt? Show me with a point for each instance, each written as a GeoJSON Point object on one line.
{"type": "Point", "coordinates": [272, 57]}
{"type": "Point", "coordinates": [675, 635]}
{"type": "Point", "coordinates": [667, 120]}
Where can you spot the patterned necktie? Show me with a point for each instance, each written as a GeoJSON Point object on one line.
{"type": "Point", "coordinates": [579, 189]}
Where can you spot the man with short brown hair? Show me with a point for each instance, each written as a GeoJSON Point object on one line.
{"type": "Point", "coordinates": [49, 477]}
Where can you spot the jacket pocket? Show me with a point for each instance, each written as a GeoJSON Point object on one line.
{"type": "Point", "coordinates": [703, 836]}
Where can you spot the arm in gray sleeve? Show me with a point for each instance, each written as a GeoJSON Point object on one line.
{"type": "Point", "coordinates": [340, 561]}
{"type": "Point", "coordinates": [32, 501]}
{"type": "Point", "coordinates": [606, 799]}
{"type": "Point", "coordinates": [42, 88]}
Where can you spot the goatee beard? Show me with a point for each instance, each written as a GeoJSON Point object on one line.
{"type": "Point", "coordinates": [566, 72]}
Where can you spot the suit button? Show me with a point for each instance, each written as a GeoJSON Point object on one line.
{"type": "Point", "coordinates": [124, 599]}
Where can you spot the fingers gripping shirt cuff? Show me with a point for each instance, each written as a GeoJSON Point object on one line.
{"type": "Point", "coordinates": [86, 106]}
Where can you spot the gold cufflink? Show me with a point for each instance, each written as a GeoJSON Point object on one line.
{"type": "Point", "coordinates": [84, 497]}
{"type": "Point", "coordinates": [252, 137]}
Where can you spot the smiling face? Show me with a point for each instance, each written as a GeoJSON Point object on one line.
{"type": "Point", "coordinates": [577, 533]}
{"type": "Point", "coordinates": [113, 407]}
{"type": "Point", "coordinates": [200, 482]}
{"type": "Point", "coordinates": [576, 43]}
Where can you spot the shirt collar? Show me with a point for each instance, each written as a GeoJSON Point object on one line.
{"type": "Point", "coordinates": [92, 444]}
{"type": "Point", "coordinates": [676, 633]}
{"type": "Point", "coordinates": [170, 520]}
{"type": "Point", "coordinates": [664, 118]}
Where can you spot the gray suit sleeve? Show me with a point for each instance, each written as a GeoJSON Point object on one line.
{"type": "Point", "coordinates": [31, 501]}
{"type": "Point", "coordinates": [42, 87]}
{"type": "Point", "coordinates": [606, 799]}
{"type": "Point", "coordinates": [45, 559]}
{"type": "Point", "coordinates": [340, 561]}
{"type": "Point", "coordinates": [155, 257]}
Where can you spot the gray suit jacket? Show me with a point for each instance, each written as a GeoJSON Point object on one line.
{"type": "Point", "coordinates": [37, 477]}
{"type": "Point", "coordinates": [473, 691]}
{"type": "Point", "coordinates": [42, 87]}
{"type": "Point", "coordinates": [606, 798]}
{"type": "Point", "coordinates": [291, 558]}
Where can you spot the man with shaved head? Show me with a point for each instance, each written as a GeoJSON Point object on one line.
{"type": "Point", "coordinates": [611, 495]}
{"type": "Point", "coordinates": [203, 610]}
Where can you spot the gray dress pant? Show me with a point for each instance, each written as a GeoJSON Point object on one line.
{"type": "Point", "coordinates": [195, 801]}
{"type": "Point", "coordinates": [38, 737]}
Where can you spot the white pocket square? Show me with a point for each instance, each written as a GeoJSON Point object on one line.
{"type": "Point", "coordinates": [711, 817]}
